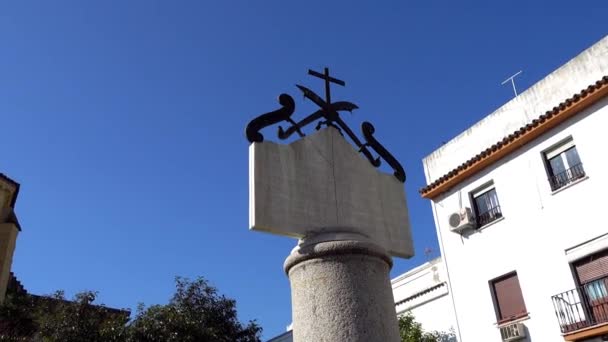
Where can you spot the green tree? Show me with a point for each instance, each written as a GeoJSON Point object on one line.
{"type": "Point", "coordinates": [16, 318]}
{"type": "Point", "coordinates": [411, 331]}
{"type": "Point", "coordinates": [196, 312]}
{"type": "Point", "coordinates": [48, 319]}
{"type": "Point", "coordinates": [79, 320]}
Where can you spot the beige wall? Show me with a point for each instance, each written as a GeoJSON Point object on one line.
{"type": "Point", "coordinates": [8, 238]}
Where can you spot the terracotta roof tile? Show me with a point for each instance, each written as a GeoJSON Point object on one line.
{"type": "Point", "coordinates": [603, 82]}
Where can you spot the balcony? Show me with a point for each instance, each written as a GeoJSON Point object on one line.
{"type": "Point", "coordinates": [583, 307]}
{"type": "Point", "coordinates": [491, 215]}
{"type": "Point", "coordinates": [566, 177]}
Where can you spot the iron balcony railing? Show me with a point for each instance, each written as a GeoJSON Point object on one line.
{"type": "Point", "coordinates": [582, 307]}
{"type": "Point", "coordinates": [489, 216]}
{"type": "Point", "coordinates": [566, 177]}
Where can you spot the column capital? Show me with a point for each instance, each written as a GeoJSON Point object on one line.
{"type": "Point", "coordinates": [334, 247]}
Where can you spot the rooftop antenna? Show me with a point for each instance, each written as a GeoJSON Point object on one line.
{"type": "Point", "coordinates": [512, 82]}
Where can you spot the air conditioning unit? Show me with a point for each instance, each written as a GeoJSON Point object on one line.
{"type": "Point", "coordinates": [512, 332]}
{"type": "Point", "coordinates": [462, 220]}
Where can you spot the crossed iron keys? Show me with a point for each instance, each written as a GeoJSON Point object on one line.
{"type": "Point", "coordinates": [328, 114]}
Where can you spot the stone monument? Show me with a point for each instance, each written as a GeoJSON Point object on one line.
{"type": "Point", "coordinates": [349, 219]}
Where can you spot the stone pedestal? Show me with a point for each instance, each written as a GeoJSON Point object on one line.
{"type": "Point", "coordinates": [341, 291]}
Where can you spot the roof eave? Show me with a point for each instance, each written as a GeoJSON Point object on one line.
{"type": "Point", "coordinates": [559, 114]}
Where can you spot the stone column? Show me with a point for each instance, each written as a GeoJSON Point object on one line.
{"type": "Point", "coordinates": [341, 291]}
{"type": "Point", "coordinates": [350, 219]}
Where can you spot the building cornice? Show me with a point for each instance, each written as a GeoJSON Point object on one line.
{"type": "Point", "coordinates": [420, 293]}
{"type": "Point", "coordinates": [560, 113]}
{"type": "Point", "coordinates": [416, 270]}
{"type": "Point", "coordinates": [15, 184]}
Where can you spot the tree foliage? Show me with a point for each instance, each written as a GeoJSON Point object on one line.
{"type": "Point", "coordinates": [196, 312]}
{"type": "Point", "coordinates": [16, 318]}
{"type": "Point", "coordinates": [411, 331]}
{"type": "Point", "coordinates": [79, 320]}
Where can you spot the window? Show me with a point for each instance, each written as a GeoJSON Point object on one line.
{"type": "Point", "coordinates": [592, 276]}
{"type": "Point", "coordinates": [563, 164]}
{"type": "Point", "coordinates": [592, 267]}
{"type": "Point", "coordinates": [485, 205]}
{"type": "Point", "coordinates": [508, 300]}
{"type": "Point", "coordinates": [596, 290]}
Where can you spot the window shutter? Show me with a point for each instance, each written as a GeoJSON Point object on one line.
{"type": "Point", "coordinates": [480, 191]}
{"type": "Point", "coordinates": [592, 267]}
{"type": "Point", "coordinates": [561, 147]}
{"type": "Point", "coordinates": [509, 300]}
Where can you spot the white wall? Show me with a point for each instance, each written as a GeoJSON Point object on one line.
{"type": "Point", "coordinates": [539, 225]}
{"type": "Point", "coordinates": [423, 291]}
{"type": "Point", "coordinates": [285, 337]}
{"type": "Point", "coordinates": [436, 315]}
{"type": "Point", "coordinates": [588, 67]}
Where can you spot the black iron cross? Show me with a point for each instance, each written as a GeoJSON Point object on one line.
{"type": "Point", "coordinates": [328, 79]}
{"type": "Point", "coordinates": [328, 111]}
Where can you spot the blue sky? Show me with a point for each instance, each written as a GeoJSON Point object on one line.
{"type": "Point", "coordinates": [124, 122]}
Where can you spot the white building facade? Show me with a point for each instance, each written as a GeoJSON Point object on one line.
{"type": "Point", "coordinates": [518, 203]}
{"type": "Point", "coordinates": [423, 291]}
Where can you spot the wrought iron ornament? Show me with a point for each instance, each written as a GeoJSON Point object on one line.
{"type": "Point", "coordinates": [328, 114]}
